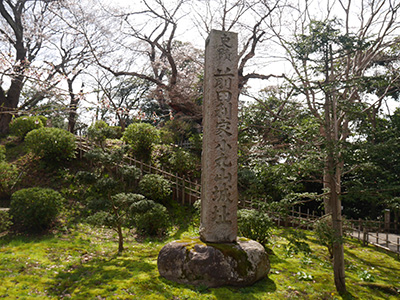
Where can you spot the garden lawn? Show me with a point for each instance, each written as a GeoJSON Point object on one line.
{"type": "Point", "coordinates": [83, 264]}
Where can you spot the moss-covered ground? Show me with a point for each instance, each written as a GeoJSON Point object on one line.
{"type": "Point", "coordinates": [81, 262]}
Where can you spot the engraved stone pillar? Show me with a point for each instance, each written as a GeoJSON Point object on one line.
{"type": "Point", "coordinates": [220, 258]}
{"type": "Point", "coordinates": [220, 130]}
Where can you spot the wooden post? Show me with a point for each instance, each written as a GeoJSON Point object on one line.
{"type": "Point", "coordinates": [387, 220]}
{"type": "Point", "coordinates": [398, 247]}
{"type": "Point", "coordinates": [387, 239]}
{"type": "Point", "coordinates": [365, 237]}
{"type": "Point", "coordinates": [299, 216]}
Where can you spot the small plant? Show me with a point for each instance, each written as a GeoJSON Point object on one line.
{"type": "Point", "coordinates": [255, 225]}
{"type": "Point", "coordinates": [141, 137]}
{"type": "Point", "coordinates": [5, 220]}
{"type": "Point", "coordinates": [51, 144]}
{"type": "Point", "coordinates": [35, 209]}
{"type": "Point", "coordinates": [304, 276]}
{"type": "Point", "coordinates": [22, 125]}
{"type": "Point", "coordinates": [9, 177]}
{"type": "Point", "coordinates": [2, 152]}
{"type": "Point", "coordinates": [325, 233]}
{"type": "Point", "coordinates": [155, 187]}
{"type": "Point", "coordinates": [306, 260]}
{"type": "Point", "coordinates": [296, 243]}
{"type": "Point", "coordinates": [365, 275]}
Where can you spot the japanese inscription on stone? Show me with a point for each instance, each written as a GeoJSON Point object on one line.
{"type": "Point", "coordinates": [220, 130]}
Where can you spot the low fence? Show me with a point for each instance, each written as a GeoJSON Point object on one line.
{"type": "Point", "coordinates": [185, 191]}
{"type": "Point", "coordinates": [380, 233]}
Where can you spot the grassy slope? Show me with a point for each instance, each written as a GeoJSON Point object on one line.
{"type": "Point", "coordinates": [81, 264]}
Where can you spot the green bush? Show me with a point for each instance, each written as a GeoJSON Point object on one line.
{"type": "Point", "coordinates": [100, 131]}
{"type": "Point", "coordinates": [255, 225]}
{"type": "Point", "coordinates": [141, 137]}
{"type": "Point", "coordinates": [51, 144]}
{"type": "Point", "coordinates": [155, 187]}
{"type": "Point", "coordinates": [176, 160]}
{"type": "Point", "coordinates": [5, 220]}
{"type": "Point", "coordinates": [35, 208]}
{"type": "Point", "coordinates": [116, 132]}
{"type": "Point", "coordinates": [22, 125]}
{"type": "Point", "coordinates": [150, 218]}
{"type": "Point", "coordinates": [2, 152]}
{"type": "Point", "coordinates": [184, 163]}
{"type": "Point", "coordinates": [9, 177]}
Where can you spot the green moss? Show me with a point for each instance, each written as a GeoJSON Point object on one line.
{"type": "Point", "coordinates": [82, 264]}
{"type": "Point", "coordinates": [238, 254]}
{"type": "Point", "coordinates": [243, 239]}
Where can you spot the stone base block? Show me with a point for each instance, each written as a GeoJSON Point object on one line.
{"type": "Point", "coordinates": [191, 261]}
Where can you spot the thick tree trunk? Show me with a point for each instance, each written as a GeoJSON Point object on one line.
{"type": "Point", "coordinates": [5, 119]}
{"type": "Point", "coordinates": [9, 103]}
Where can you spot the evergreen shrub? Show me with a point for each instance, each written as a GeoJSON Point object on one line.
{"type": "Point", "coordinates": [5, 220]}
{"type": "Point", "coordinates": [141, 137]}
{"type": "Point", "coordinates": [255, 225]}
{"type": "Point", "coordinates": [150, 218]}
{"type": "Point", "coordinates": [100, 131]}
{"type": "Point", "coordinates": [9, 177]}
{"type": "Point", "coordinates": [325, 233]}
{"type": "Point", "coordinates": [155, 187]}
{"type": "Point", "coordinates": [35, 209]}
{"type": "Point", "coordinates": [2, 152]}
{"type": "Point", "coordinates": [51, 144]}
{"type": "Point", "coordinates": [22, 125]}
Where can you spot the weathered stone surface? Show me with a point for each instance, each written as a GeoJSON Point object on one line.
{"type": "Point", "coordinates": [220, 130]}
{"type": "Point", "coordinates": [191, 261]}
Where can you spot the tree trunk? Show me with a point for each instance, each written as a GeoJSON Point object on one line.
{"type": "Point", "coordinates": [333, 180]}
{"type": "Point", "coordinates": [120, 239]}
{"type": "Point", "coordinates": [73, 107]}
{"type": "Point", "coordinates": [5, 119]}
{"type": "Point", "coordinates": [9, 103]}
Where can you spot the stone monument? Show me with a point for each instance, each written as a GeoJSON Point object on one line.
{"type": "Point", "coordinates": [219, 195]}
{"type": "Point", "coordinates": [218, 257]}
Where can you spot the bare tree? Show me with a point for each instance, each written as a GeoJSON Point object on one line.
{"type": "Point", "coordinates": [148, 34]}
{"type": "Point", "coordinates": [120, 97]}
{"type": "Point", "coordinates": [251, 19]}
{"type": "Point", "coordinates": [23, 32]}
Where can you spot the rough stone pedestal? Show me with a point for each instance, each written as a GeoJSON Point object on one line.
{"type": "Point", "coordinates": [191, 261]}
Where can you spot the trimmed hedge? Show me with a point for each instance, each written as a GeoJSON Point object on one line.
{"type": "Point", "coordinates": [22, 125]}
{"type": "Point", "coordinates": [141, 137]}
{"type": "Point", "coordinates": [35, 209]}
{"type": "Point", "coordinates": [155, 187]}
{"type": "Point", "coordinates": [51, 144]}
